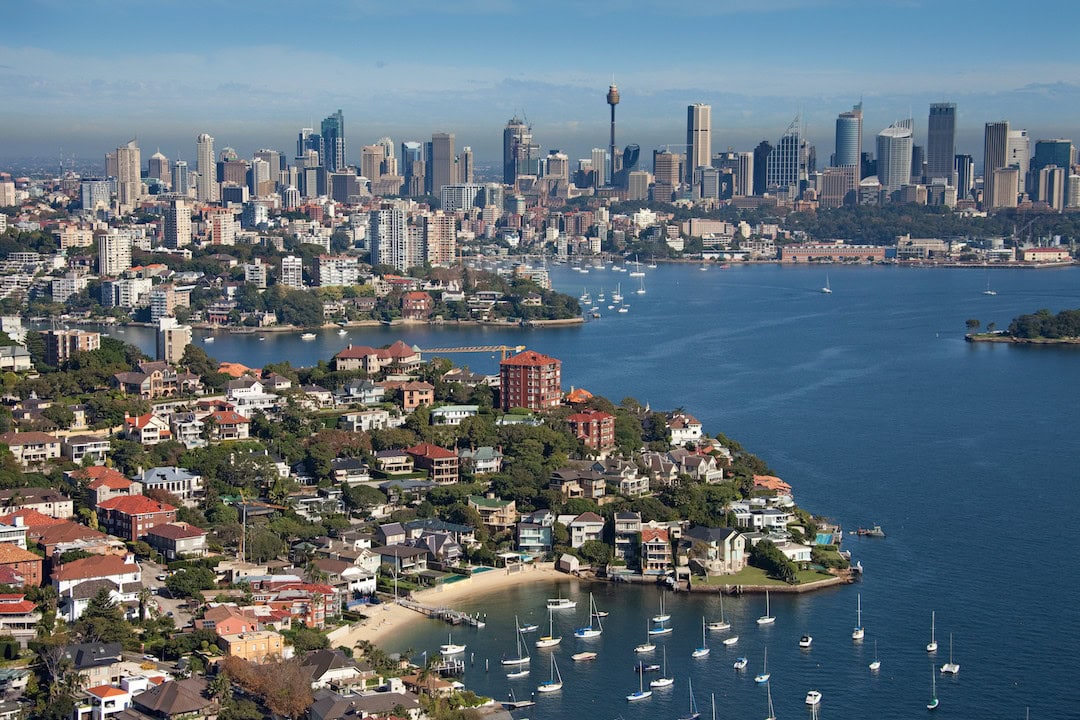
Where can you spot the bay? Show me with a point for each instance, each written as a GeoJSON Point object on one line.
{"type": "Point", "coordinates": [872, 406]}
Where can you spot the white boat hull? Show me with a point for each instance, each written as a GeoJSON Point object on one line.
{"type": "Point", "coordinates": [660, 631]}
{"type": "Point", "coordinates": [700, 652]}
{"type": "Point", "coordinates": [548, 642]}
{"type": "Point", "coordinates": [451, 649]}
{"type": "Point", "coordinates": [645, 648]}
{"type": "Point", "coordinates": [662, 682]}
{"type": "Point", "coordinates": [515, 661]}
{"type": "Point", "coordinates": [931, 647]}
{"type": "Point", "coordinates": [518, 674]}
{"type": "Point", "coordinates": [634, 697]}
{"type": "Point", "coordinates": [763, 678]}
{"type": "Point", "coordinates": [813, 697]}
{"type": "Point", "coordinates": [950, 668]}
{"type": "Point", "coordinates": [587, 633]}
{"type": "Point", "coordinates": [731, 640]}
{"type": "Point", "coordinates": [766, 620]}
{"type": "Point", "coordinates": [719, 626]}
{"type": "Point", "coordinates": [549, 687]}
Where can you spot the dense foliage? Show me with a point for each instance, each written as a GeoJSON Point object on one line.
{"type": "Point", "coordinates": [1066, 324]}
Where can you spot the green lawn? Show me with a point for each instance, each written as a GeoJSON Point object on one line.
{"type": "Point", "coordinates": [756, 576]}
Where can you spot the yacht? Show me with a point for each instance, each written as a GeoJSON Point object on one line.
{"type": "Point", "coordinates": [813, 698]}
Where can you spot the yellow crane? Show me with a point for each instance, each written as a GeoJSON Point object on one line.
{"type": "Point", "coordinates": [503, 349]}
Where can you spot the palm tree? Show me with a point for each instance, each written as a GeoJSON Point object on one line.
{"type": "Point", "coordinates": [144, 596]}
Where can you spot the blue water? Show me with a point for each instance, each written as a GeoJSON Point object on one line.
{"type": "Point", "coordinates": [872, 406]}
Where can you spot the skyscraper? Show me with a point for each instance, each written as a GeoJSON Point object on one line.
{"type": "Point", "coordinates": [849, 131]}
{"type": "Point", "coordinates": [599, 167]}
{"type": "Point", "coordinates": [128, 174]}
{"type": "Point", "coordinates": [412, 166]}
{"type": "Point", "coordinates": [785, 168]}
{"type": "Point", "coordinates": [761, 160]}
{"type": "Point", "coordinates": [894, 156]}
{"type": "Point", "coordinates": [389, 239]}
{"type": "Point", "coordinates": [995, 154]}
{"type": "Point", "coordinates": [517, 139]}
{"type": "Point", "coordinates": [1049, 152]}
{"type": "Point", "coordinates": [698, 139]}
{"type": "Point", "coordinates": [465, 170]}
{"type": "Point", "coordinates": [941, 141]}
{"type": "Point", "coordinates": [114, 253]}
{"type": "Point", "coordinates": [158, 168]}
{"type": "Point", "coordinates": [333, 140]}
{"type": "Point", "coordinates": [181, 184]}
{"type": "Point", "coordinates": [207, 188]}
{"type": "Point", "coordinates": [964, 166]}
{"type": "Point", "coordinates": [177, 224]}
{"type": "Point", "coordinates": [612, 100]}
{"type": "Point", "coordinates": [371, 162]}
{"type": "Point", "coordinates": [744, 174]}
{"type": "Point", "coordinates": [442, 162]}
{"type": "Point", "coordinates": [1018, 155]}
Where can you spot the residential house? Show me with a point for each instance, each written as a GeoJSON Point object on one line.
{"type": "Point", "coordinates": [101, 703]}
{"type": "Point", "coordinates": [453, 414]}
{"type": "Point", "coordinates": [96, 663]}
{"type": "Point", "coordinates": [579, 480]}
{"type": "Point", "coordinates": [179, 482]}
{"type": "Point", "coordinates": [350, 471]}
{"type": "Point", "coordinates": [399, 357]}
{"type": "Point", "coordinates": [276, 382]}
{"type": "Point", "coordinates": [78, 447]}
{"type": "Point", "coordinates": [317, 397]}
{"type": "Point", "coordinates": [771, 484]}
{"type": "Point", "coordinates": [534, 532]}
{"type": "Point", "coordinates": [484, 460]}
{"type": "Point", "coordinates": [442, 548]}
{"type": "Point", "coordinates": [19, 617]}
{"type": "Point", "coordinates": [441, 464]}
{"type": "Point", "coordinates": [157, 379]}
{"type": "Point", "coordinates": [394, 462]}
{"type": "Point", "coordinates": [103, 483]}
{"type": "Point", "coordinates": [366, 420]}
{"type": "Point", "coordinates": [148, 429]}
{"type": "Point", "coordinates": [333, 668]}
{"type": "Point", "coordinates": [795, 552]}
{"type": "Point", "coordinates": [31, 449]}
{"type": "Point", "coordinates": [66, 535]}
{"type": "Point", "coordinates": [21, 562]}
{"type": "Point", "coordinates": [131, 517]}
{"type": "Point", "coordinates": [624, 475]}
{"type": "Point", "coordinates": [462, 534]}
{"type": "Point", "coordinates": [403, 490]}
{"type": "Point", "coordinates": [685, 429]}
{"type": "Point", "coordinates": [417, 393]}
{"type": "Point", "coordinates": [594, 428]}
{"type": "Point", "coordinates": [416, 305]}
{"type": "Point", "coordinates": [255, 647]}
{"type": "Point", "coordinates": [45, 500]}
{"type": "Point", "coordinates": [15, 358]}
{"type": "Point", "coordinates": [660, 469]}
{"type": "Point", "coordinates": [330, 705]}
{"type": "Point", "coordinates": [702, 468]}
{"type": "Point", "coordinates": [402, 558]}
{"type": "Point", "coordinates": [497, 515]}
{"type": "Point", "coordinates": [347, 576]}
{"type": "Point", "coordinates": [227, 619]}
{"type": "Point", "coordinates": [717, 551]}
{"type": "Point", "coordinates": [189, 429]}
{"type": "Point", "coordinates": [363, 391]}
{"type": "Point", "coordinates": [188, 699]}
{"type": "Point", "coordinates": [78, 581]}
{"type": "Point", "coordinates": [228, 425]}
{"type": "Point", "coordinates": [391, 534]}
{"type": "Point", "coordinates": [14, 534]}
{"type": "Point", "coordinates": [248, 394]}
{"type": "Point", "coordinates": [655, 550]}
{"type": "Point", "coordinates": [177, 540]}
{"type": "Point", "coordinates": [585, 527]}
{"type": "Point", "coordinates": [627, 536]}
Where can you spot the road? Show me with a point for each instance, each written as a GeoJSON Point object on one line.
{"type": "Point", "coordinates": [166, 604]}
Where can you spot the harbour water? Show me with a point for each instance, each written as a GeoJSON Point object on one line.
{"type": "Point", "coordinates": [872, 406]}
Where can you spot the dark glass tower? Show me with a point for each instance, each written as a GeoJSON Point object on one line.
{"type": "Point", "coordinates": [941, 141]}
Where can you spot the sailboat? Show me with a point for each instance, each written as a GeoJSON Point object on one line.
{"type": "Point", "coordinates": [704, 649]}
{"type": "Point", "coordinates": [766, 619]}
{"type": "Point", "coordinates": [720, 624]}
{"type": "Point", "coordinates": [549, 640]}
{"type": "Point", "coordinates": [932, 705]}
{"type": "Point", "coordinates": [638, 272]}
{"type": "Point", "coordinates": [664, 681]}
{"type": "Point", "coordinates": [950, 668]}
{"type": "Point", "coordinates": [875, 665]}
{"type": "Point", "coordinates": [826, 290]}
{"type": "Point", "coordinates": [988, 291]}
{"type": "Point", "coordinates": [450, 648]}
{"type": "Point", "coordinates": [648, 645]}
{"type": "Point", "coordinates": [591, 630]}
{"type": "Point", "coordinates": [731, 640]}
{"type": "Point", "coordinates": [858, 632]}
{"type": "Point", "coordinates": [641, 693]}
{"type": "Point", "coordinates": [771, 715]}
{"type": "Point", "coordinates": [641, 286]}
{"type": "Point", "coordinates": [524, 672]}
{"type": "Point", "coordinates": [661, 616]}
{"type": "Point", "coordinates": [617, 296]}
{"type": "Point", "coordinates": [764, 676]}
{"type": "Point", "coordinates": [555, 683]}
{"type": "Point", "coordinates": [931, 647]}
{"type": "Point", "coordinates": [522, 656]}
{"type": "Point", "coordinates": [693, 714]}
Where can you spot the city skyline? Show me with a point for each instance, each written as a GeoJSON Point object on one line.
{"type": "Point", "coordinates": [67, 90]}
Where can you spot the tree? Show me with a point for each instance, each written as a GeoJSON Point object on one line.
{"type": "Point", "coordinates": [972, 324]}
{"type": "Point", "coordinates": [595, 552]}
{"type": "Point", "coordinates": [190, 581]}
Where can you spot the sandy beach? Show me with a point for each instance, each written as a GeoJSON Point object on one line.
{"type": "Point", "coordinates": [387, 618]}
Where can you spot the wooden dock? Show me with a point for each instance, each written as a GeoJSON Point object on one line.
{"type": "Point", "coordinates": [453, 617]}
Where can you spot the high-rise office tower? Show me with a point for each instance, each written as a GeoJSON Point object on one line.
{"type": "Point", "coordinates": [918, 160]}
{"type": "Point", "coordinates": [413, 168]}
{"type": "Point", "coordinates": [744, 174]}
{"type": "Point", "coordinates": [181, 184]}
{"type": "Point", "coordinates": [1006, 187]}
{"type": "Point", "coordinates": [964, 166]}
{"type": "Point", "coordinates": [941, 141]}
{"type": "Point", "coordinates": [849, 132]}
{"type": "Point", "coordinates": [333, 138]}
{"type": "Point", "coordinates": [698, 139]}
{"type": "Point", "coordinates": [390, 164]}
{"type": "Point", "coordinates": [442, 164]}
{"type": "Point", "coordinates": [207, 188]}
{"type": "Point", "coordinates": [785, 169]}
{"type": "Point", "coordinates": [1018, 155]}
{"type": "Point", "coordinates": [995, 154]}
{"type": "Point", "coordinates": [465, 170]}
{"type": "Point", "coordinates": [371, 162]}
{"type": "Point", "coordinates": [612, 100]}
{"type": "Point", "coordinates": [599, 167]}
{"type": "Point", "coordinates": [517, 150]}
{"type": "Point", "coordinates": [128, 174]}
{"type": "Point", "coordinates": [667, 173]}
{"type": "Point", "coordinates": [177, 224]}
{"type": "Point", "coordinates": [158, 168]}
{"type": "Point", "coordinates": [114, 253]}
{"type": "Point", "coordinates": [894, 156]}
{"type": "Point", "coordinates": [761, 160]}
{"type": "Point", "coordinates": [1052, 184]}
{"type": "Point", "coordinates": [110, 165]}
{"type": "Point", "coordinates": [557, 166]}
{"type": "Point", "coordinates": [274, 166]}
{"type": "Point", "coordinates": [259, 180]}
{"type": "Point", "coordinates": [308, 139]}
{"type": "Point", "coordinates": [1049, 152]}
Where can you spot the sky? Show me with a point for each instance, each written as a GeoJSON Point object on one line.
{"type": "Point", "coordinates": [81, 78]}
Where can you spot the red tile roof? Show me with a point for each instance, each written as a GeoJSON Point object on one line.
{"type": "Point", "coordinates": [228, 417]}
{"type": "Point", "coordinates": [104, 691]}
{"type": "Point", "coordinates": [31, 519]}
{"type": "Point", "coordinates": [67, 531]}
{"type": "Point", "coordinates": [430, 451]}
{"type": "Point", "coordinates": [589, 416]}
{"type": "Point", "coordinates": [176, 531]}
{"type": "Point", "coordinates": [530, 358]}
{"type": "Point", "coordinates": [98, 566]}
{"type": "Point", "coordinates": [26, 438]}
{"type": "Point", "coordinates": [12, 553]}
{"type": "Point", "coordinates": [649, 534]}
{"type": "Point", "coordinates": [135, 505]}
{"type": "Point", "coordinates": [18, 607]}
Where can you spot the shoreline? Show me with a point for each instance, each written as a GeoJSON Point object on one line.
{"type": "Point", "coordinates": [1010, 340]}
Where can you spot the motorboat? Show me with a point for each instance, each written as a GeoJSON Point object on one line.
{"type": "Point", "coordinates": [806, 641]}
{"type": "Point", "coordinates": [813, 698]}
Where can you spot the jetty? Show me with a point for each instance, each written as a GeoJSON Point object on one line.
{"type": "Point", "coordinates": [453, 617]}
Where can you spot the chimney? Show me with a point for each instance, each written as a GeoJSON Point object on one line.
{"type": "Point", "coordinates": [19, 521]}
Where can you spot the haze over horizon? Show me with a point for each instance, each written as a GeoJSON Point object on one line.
{"type": "Point", "coordinates": [87, 77]}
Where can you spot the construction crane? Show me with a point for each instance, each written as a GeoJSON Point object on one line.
{"type": "Point", "coordinates": [503, 349]}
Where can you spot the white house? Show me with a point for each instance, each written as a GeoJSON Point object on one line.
{"type": "Point", "coordinates": [248, 394]}
{"type": "Point", "coordinates": [685, 429]}
{"type": "Point", "coordinates": [78, 581]}
{"type": "Point", "coordinates": [453, 414]}
{"type": "Point", "coordinates": [585, 527]}
{"type": "Point", "coordinates": [184, 484]}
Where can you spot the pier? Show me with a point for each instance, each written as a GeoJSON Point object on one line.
{"type": "Point", "coordinates": [453, 617]}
